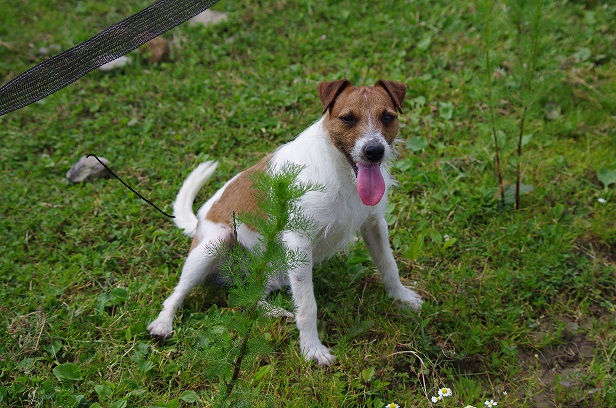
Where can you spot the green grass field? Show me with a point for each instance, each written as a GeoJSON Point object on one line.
{"type": "Point", "coordinates": [520, 305]}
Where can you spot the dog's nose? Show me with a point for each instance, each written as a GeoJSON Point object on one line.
{"type": "Point", "coordinates": [374, 151]}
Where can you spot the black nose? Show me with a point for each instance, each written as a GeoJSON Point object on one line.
{"type": "Point", "coordinates": [374, 151]}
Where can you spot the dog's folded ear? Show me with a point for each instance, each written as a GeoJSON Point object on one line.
{"type": "Point", "coordinates": [329, 91]}
{"type": "Point", "coordinates": [395, 90]}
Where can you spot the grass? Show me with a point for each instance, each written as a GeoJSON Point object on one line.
{"type": "Point", "coordinates": [521, 301]}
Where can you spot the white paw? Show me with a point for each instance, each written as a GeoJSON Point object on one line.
{"type": "Point", "coordinates": [275, 311]}
{"type": "Point", "coordinates": [160, 328]}
{"type": "Point", "coordinates": [320, 354]}
{"type": "Point", "coordinates": [408, 298]}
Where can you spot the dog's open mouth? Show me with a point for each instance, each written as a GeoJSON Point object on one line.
{"type": "Point", "coordinates": [370, 182]}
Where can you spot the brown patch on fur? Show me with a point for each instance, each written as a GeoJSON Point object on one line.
{"type": "Point", "coordinates": [238, 196]}
{"type": "Point", "coordinates": [328, 91]}
{"type": "Point", "coordinates": [395, 90]}
{"type": "Point", "coordinates": [366, 106]}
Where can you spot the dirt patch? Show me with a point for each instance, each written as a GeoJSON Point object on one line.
{"type": "Point", "coordinates": [594, 248]}
{"type": "Point", "coordinates": [560, 368]}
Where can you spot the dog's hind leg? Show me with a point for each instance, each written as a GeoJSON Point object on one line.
{"type": "Point", "coordinates": [200, 263]}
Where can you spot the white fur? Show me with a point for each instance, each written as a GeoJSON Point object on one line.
{"type": "Point", "coordinates": [338, 214]}
{"type": "Point", "coordinates": [182, 206]}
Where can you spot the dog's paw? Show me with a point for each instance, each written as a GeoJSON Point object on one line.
{"type": "Point", "coordinates": [275, 311]}
{"type": "Point", "coordinates": [160, 329]}
{"type": "Point", "coordinates": [408, 298]}
{"type": "Point", "coordinates": [320, 354]}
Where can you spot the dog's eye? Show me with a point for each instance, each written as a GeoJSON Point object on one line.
{"type": "Point", "coordinates": [348, 119]}
{"type": "Point", "coordinates": [387, 118]}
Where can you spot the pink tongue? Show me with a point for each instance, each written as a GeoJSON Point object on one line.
{"type": "Point", "coordinates": [370, 183]}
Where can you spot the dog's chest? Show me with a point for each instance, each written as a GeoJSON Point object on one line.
{"type": "Point", "coordinates": [338, 218]}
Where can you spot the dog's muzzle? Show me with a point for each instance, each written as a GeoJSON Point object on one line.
{"type": "Point", "coordinates": [370, 181]}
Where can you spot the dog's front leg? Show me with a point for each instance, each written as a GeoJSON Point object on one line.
{"type": "Point", "coordinates": [375, 234]}
{"type": "Point", "coordinates": [300, 278]}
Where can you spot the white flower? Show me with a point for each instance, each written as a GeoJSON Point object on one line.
{"type": "Point", "coordinates": [602, 200]}
{"type": "Point", "coordinates": [499, 73]}
{"type": "Point", "coordinates": [444, 392]}
{"type": "Point", "coordinates": [436, 399]}
{"type": "Point", "coordinates": [504, 392]}
{"type": "Point", "coordinates": [491, 403]}
{"type": "Point", "coordinates": [392, 405]}
{"type": "Point", "coordinates": [470, 406]}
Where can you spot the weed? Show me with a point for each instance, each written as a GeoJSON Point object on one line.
{"type": "Point", "coordinates": [517, 79]}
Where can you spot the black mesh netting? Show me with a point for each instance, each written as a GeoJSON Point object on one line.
{"type": "Point", "coordinates": [106, 46]}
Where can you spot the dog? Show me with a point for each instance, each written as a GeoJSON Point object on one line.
{"type": "Point", "coordinates": [347, 152]}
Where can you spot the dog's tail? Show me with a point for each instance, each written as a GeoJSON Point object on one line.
{"type": "Point", "coordinates": [185, 218]}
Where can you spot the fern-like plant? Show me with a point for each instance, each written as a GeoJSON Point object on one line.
{"type": "Point", "coordinates": [239, 342]}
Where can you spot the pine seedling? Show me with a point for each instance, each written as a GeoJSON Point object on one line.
{"type": "Point", "coordinates": [239, 342]}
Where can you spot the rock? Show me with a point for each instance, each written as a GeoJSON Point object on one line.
{"type": "Point", "coordinates": [88, 169]}
{"type": "Point", "coordinates": [552, 111]}
{"type": "Point", "coordinates": [208, 17]}
{"type": "Point", "coordinates": [156, 50]}
{"type": "Point", "coordinates": [116, 63]}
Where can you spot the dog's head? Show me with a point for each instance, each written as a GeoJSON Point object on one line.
{"type": "Point", "coordinates": [362, 122]}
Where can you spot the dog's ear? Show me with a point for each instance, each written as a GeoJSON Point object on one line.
{"type": "Point", "coordinates": [395, 90]}
{"type": "Point", "coordinates": [329, 91]}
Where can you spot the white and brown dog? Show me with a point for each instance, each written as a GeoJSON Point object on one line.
{"type": "Point", "coordinates": [346, 152]}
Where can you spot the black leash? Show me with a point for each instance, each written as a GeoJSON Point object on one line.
{"type": "Point", "coordinates": [63, 69]}
{"type": "Point", "coordinates": [129, 187]}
